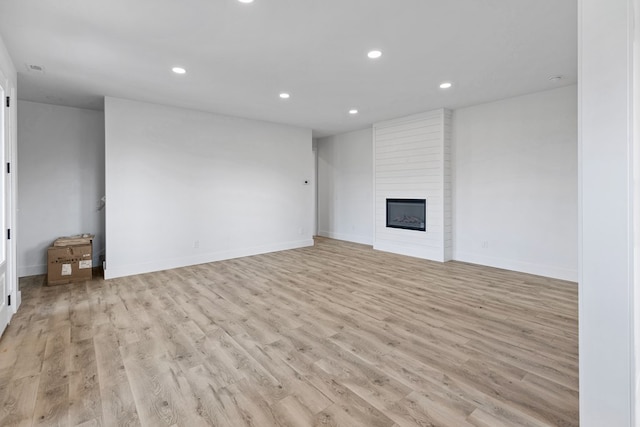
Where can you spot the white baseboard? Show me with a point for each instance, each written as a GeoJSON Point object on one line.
{"type": "Point", "coordinates": [112, 272]}
{"type": "Point", "coordinates": [551, 271]}
{"type": "Point", "coordinates": [355, 238]}
{"type": "Point", "coordinates": [32, 270]}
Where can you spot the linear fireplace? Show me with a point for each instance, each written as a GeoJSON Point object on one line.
{"type": "Point", "coordinates": [409, 214]}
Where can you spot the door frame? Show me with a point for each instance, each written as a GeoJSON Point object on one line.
{"type": "Point", "coordinates": [11, 157]}
{"type": "Point", "coordinates": [10, 171]}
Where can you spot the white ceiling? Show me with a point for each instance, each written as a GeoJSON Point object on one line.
{"type": "Point", "coordinates": [239, 57]}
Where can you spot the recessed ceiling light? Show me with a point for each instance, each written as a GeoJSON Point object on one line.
{"type": "Point", "coordinates": [285, 95]}
{"type": "Point", "coordinates": [374, 54]}
{"type": "Point", "coordinates": [445, 85]}
{"type": "Point", "coordinates": [353, 111]}
{"type": "Point", "coordinates": [555, 79]}
{"type": "Point", "coordinates": [178, 70]}
{"type": "Point", "coordinates": [245, 1]}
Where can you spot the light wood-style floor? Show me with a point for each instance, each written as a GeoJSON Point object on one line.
{"type": "Point", "coordinates": [333, 335]}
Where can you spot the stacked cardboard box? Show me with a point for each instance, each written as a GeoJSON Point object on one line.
{"type": "Point", "coordinates": [69, 260]}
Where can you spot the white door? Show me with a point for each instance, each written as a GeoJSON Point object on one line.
{"type": "Point", "coordinates": [4, 197]}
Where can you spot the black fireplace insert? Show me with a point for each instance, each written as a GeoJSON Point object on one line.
{"type": "Point", "coordinates": [409, 214]}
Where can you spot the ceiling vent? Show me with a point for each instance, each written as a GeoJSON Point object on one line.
{"type": "Point", "coordinates": [32, 68]}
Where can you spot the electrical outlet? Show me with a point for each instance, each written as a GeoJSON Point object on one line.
{"type": "Point", "coordinates": [485, 244]}
{"type": "Point", "coordinates": [196, 244]}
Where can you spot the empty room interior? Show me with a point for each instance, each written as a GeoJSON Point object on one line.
{"type": "Point", "coordinates": [320, 213]}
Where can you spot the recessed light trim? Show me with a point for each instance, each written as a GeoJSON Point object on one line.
{"type": "Point", "coordinates": [374, 54]}
{"type": "Point", "coordinates": [353, 111]}
{"type": "Point", "coordinates": [245, 1]}
{"type": "Point", "coordinates": [179, 70]}
{"type": "Point", "coordinates": [445, 85]}
{"type": "Point", "coordinates": [285, 95]}
{"type": "Point", "coordinates": [555, 79]}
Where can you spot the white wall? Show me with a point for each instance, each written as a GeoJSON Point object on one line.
{"type": "Point", "coordinates": [186, 187]}
{"type": "Point", "coordinates": [61, 179]}
{"type": "Point", "coordinates": [515, 184]}
{"type": "Point", "coordinates": [605, 75]}
{"type": "Point", "coordinates": [345, 187]}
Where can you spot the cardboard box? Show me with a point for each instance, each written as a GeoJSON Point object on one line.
{"type": "Point", "coordinates": [68, 264]}
{"type": "Point", "coordinates": [78, 239]}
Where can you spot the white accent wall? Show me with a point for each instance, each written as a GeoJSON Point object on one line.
{"type": "Point", "coordinates": [186, 187]}
{"type": "Point", "coordinates": [345, 187]}
{"type": "Point", "coordinates": [61, 180]}
{"type": "Point", "coordinates": [608, 374]}
{"type": "Point", "coordinates": [412, 160]}
{"type": "Point", "coordinates": [515, 184]}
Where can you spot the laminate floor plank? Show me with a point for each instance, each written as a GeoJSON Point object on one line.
{"type": "Point", "coordinates": [18, 404]}
{"type": "Point", "coordinates": [118, 406]}
{"type": "Point", "coordinates": [84, 386]}
{"type": "Point", "coordinates": [331, 335]}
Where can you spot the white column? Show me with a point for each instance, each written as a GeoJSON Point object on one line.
{"type": "Point", "coordinates": [605, 68]}
{"type": "Point", "coordinates": [636, 214]}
